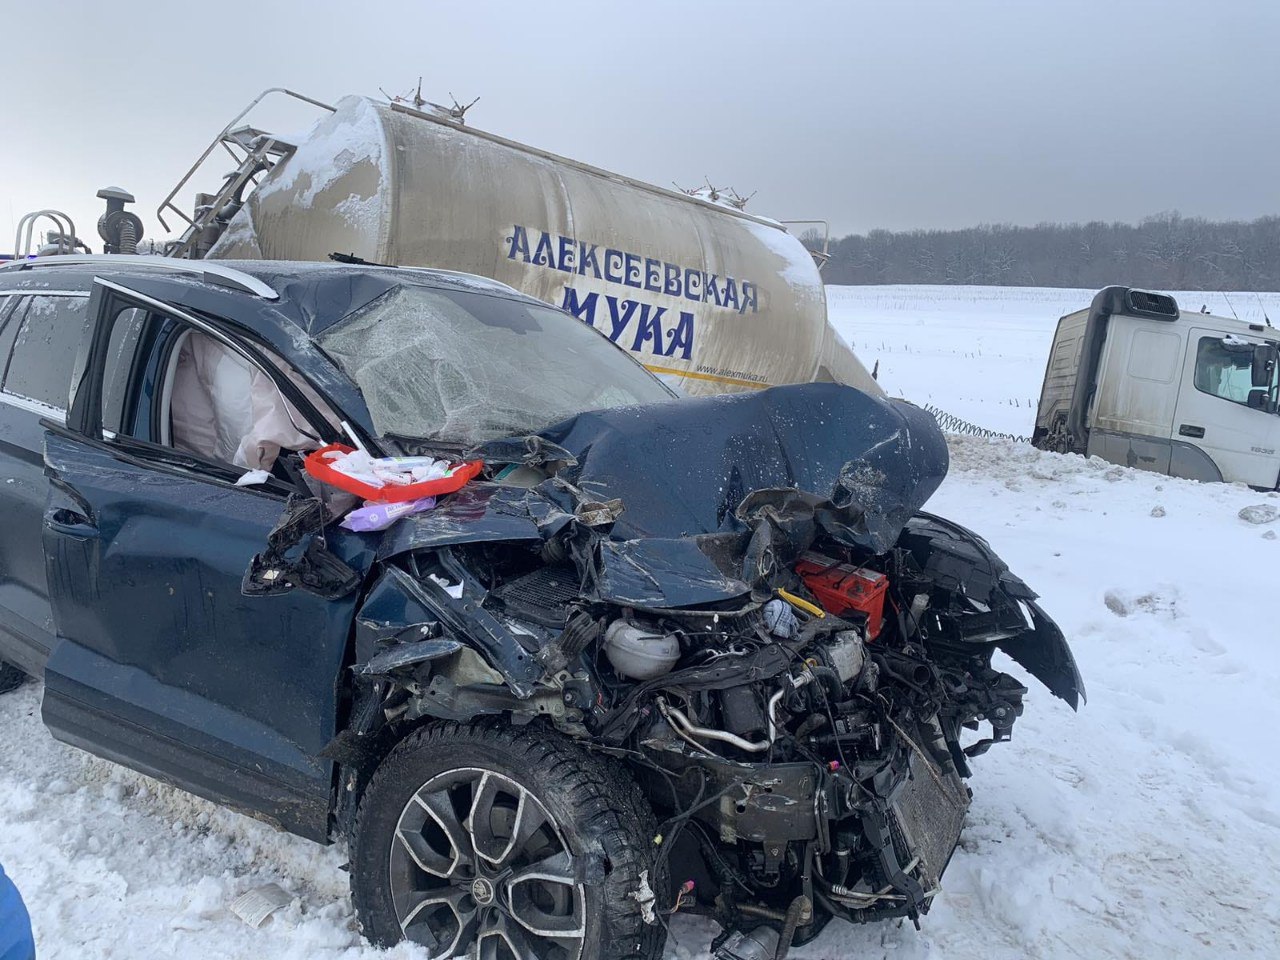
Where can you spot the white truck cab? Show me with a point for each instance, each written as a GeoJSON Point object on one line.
{"type": "Point", "coordinates": [1136, 381]}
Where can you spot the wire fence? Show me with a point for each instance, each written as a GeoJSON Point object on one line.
{"type": "Point", "coordinates": [950, 423]}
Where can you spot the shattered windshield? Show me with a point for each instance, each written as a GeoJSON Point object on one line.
{"type": "Point", "coordinates": [467, 367]}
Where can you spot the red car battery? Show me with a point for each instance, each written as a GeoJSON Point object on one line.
{"type": "Point", "coordinates": [841, 587]}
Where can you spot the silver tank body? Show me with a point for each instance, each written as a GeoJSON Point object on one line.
{"type": "Point", "coordinates": [712, 299]}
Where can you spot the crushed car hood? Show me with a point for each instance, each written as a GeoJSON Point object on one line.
{"type": "Point", "coordinates": [684, 468]}
{"type": "Point", "coordinates": [695, 481]}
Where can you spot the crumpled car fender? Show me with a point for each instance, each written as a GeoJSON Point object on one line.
{"type": "Point", "coordinates": [957, 559]}
{"type": "Point", "coordinates": [400, 606]}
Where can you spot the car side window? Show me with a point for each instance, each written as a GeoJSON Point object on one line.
{"type": "Point", "coordinates": [168, 384]}
{"type": "Point", "coordinates": [1224, 369]}
{"type": "Point", "coordinates": [44, 350]}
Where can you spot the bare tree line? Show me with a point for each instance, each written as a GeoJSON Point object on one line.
{"type": "Point", "coordinates": [1167, 251]}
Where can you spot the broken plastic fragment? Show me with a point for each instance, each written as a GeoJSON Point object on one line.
{"type": "Point", "coordinates": [599, 514]}
{"type": "Point", "coordinates": [452, 589]}
{"type": "Point", "coordinates": [645, 897]}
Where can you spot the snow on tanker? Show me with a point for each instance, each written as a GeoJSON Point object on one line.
{"type": "Point", "coordinates": [709, 297]}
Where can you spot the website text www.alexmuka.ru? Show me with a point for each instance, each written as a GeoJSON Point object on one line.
{"type": "Point", "coordinates": [728, 374]}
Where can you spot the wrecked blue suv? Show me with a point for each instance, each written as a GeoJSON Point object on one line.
{"type": "Point", "coordinates": [661, 651]}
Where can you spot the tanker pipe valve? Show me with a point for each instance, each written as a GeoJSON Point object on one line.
{"type": "Point", "coordinates": [120, 229]}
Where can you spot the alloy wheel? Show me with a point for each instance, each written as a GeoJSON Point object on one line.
{"type": "Point", "coordinates": [478, 863]}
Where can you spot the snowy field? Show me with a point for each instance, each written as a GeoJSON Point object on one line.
{"type": "Point", "coordinates": [1146, 826]}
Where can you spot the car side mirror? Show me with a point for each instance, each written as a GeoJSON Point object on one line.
{"type": "Point", "coordinates": [1264, 364]}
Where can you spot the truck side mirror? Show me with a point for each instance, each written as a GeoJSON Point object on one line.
{"type": "Point", "coordinates": [1264, 364]}
{"type": "Point", "coordinates": [1258, 399]}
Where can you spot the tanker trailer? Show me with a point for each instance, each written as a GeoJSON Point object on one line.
{"type": "Point", "coordinates": [710, 298]}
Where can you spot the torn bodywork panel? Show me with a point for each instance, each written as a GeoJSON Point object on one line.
{"type": "Point", "coordinates": [960, 562]}
{"type": "Point", "coordinates": [296, 557]}
{"type": "Point", "coordinates": [685, 468]}
{"type": "Point", "coordinates": [647, 580]}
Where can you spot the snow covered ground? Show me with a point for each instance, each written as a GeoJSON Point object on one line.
{"type": "Point", "coordinates": [1147, 825]}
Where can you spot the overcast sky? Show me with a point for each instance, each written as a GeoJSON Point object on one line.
{"type": "Point", "coordinates": [891, 114]}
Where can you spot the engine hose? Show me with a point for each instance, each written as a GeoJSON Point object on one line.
{"type": "Point", "coordinates": [689, 730]}
{"type": "Point", "coordinates": [915, 675]}
{"type": "Point", "coordinates": [845, 894]}
{"type": "Point", "coordinates": [831, 681]}
{"type": "Point", "coordinates": [799, 914]}
{"type": "Point", "coordinates": [692, 733]}
{"type": "Point", "coordinates": [771, 711]}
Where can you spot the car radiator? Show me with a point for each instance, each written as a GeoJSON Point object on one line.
{"type": "Point", "coordinates": [542, 596]}
{"type": "Point", "coordinates": [926, 818]}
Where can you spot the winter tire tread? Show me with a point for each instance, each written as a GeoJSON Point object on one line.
{"type": "Point", "coordinates": [612, 816]}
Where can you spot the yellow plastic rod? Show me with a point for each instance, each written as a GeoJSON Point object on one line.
{"type": "Point", "coordinates": [800, 603]}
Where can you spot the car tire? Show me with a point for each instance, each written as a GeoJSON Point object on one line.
{"type": "Point", "coordinates": [11, 678]}
{"type": "Point", "coordinates": [558, 856]}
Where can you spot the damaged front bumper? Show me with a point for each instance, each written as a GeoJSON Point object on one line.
{"type": "Point", "coordinates": [906, 814]}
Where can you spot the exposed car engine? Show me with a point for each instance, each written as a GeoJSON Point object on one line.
{"type": "Point", "coordinates": [806, 765]}
{"type": "Point", "coordinates": [798, 753]}
{"type": "Point", "coordinates": [798, 690]}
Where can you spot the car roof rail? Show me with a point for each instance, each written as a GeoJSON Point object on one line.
{"type": "Point", "coordinates": [210, 271]}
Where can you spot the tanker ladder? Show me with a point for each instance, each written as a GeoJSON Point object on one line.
{"type": "Point", "coordinates": [255, 153]}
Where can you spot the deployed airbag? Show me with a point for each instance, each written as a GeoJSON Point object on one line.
{"type": "Point", "coordinates": [224, 408]}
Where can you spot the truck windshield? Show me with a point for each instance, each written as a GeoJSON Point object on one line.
{"type": "Point", "coordinates": [464, 367]}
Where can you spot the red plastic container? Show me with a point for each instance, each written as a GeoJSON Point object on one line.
{"type": "Point", "coordinates": [841, 587]}
{"type": "Point", "coordinates": [319, 467]}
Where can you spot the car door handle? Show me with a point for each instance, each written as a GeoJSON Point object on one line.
{"type": "Point", "coordinates": [70, 523]}
{"type": "Point", "coordinates": [1190, 430]}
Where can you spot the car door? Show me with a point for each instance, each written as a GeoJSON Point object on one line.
{"type": "Point", "coordinates": [39, 331]}
{"type": "Point", "coordinates": [1213, 414]}
{"type": "Point", "coordinates": [161, 662]}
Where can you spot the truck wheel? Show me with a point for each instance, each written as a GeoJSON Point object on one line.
{"type": "Point", "coordinates": [501, 843]}
{"type": "Point", "coordinates": [11, 678]}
